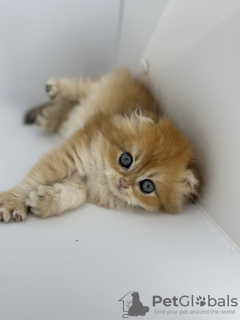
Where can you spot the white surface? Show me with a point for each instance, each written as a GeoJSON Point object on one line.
{"type": "Point", "coordinates": [78, 265]}
{"type": "Point", "coordinates": [194, 58]}
{"type": "Point", "coordinates": [139, 19]}
{"type": "Point", "coordinates": [57, 38]}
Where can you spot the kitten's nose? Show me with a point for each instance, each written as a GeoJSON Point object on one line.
{"type": "Point", "coordinates": [123, 183]}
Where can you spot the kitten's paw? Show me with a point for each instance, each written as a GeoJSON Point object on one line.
{"type": "Point", "coordinates": [52, 88]}
{"type": "Point", "coordinates": [43, 202]}
{"type": "Point", "coordinates": [11, 208]}
{"type": "Point", "coordinates": [5, 215]}
{"type": "Point", "coordinates": [31, 115]}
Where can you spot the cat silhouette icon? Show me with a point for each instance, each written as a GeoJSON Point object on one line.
{"type": "Point", "coordinates": [137, 308]}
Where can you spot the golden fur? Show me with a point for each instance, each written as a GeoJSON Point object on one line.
{"type": "Point", "coordinates": [101, 119]}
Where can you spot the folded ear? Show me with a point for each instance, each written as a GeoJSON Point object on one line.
{"type": "Point", "coordinates": [191, 181]}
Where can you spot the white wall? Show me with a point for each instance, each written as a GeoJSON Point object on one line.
{"type": "Point", "coordinates": [194, 69]}
{"type": "Point", "coordinates": [139, 19]}
{"type": "Point", "coordinates": [41, 39]}
{"type": "Point", "coordinates": [194, 58]}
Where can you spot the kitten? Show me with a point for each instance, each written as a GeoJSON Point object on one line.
{"type": "Point", "coordinates": [118, 152]}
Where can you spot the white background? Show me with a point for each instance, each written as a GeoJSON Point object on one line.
{"type": "Point", "coordinates": [78, 265]}
{"type": "Point", "coordinates": [55, 38]}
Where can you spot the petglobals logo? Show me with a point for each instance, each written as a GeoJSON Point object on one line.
{"type": "Point", "coordinates": [192, 301]}
{"type": "Point", "coordinates": [133, 305]}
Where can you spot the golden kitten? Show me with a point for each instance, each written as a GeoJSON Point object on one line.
{"type": "Point", "coordinates": [118, 152]}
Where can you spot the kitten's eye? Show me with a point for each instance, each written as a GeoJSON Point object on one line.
{"type": "Point", "coordinates": [147, 186]}
{"type": "Point", "coordinates": [125, 160]}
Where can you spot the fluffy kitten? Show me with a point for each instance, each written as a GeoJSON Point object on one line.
{"type": "Point", "coordinates": [118, 152]}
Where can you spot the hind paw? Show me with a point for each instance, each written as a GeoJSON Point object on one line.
{"type": "Point", "coordinates": [52, 88]}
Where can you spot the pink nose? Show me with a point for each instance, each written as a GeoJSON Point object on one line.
{"type": "Point", "coordinates": [123, 183]}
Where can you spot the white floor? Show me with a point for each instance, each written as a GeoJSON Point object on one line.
{"type": "Point", "coordinates": [79, 265]}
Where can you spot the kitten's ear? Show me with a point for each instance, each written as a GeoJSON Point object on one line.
{"type": "Point", "coordinates": [191, 181]}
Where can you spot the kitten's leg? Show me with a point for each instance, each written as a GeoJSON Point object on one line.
{"type": "Point", "coordinates": [49, 116]}
{"type": "Point", "coordinates": [67, 91]}
{"type": "Point", "coordinates": [76, 119]}
{"type": "Point", "coordinates": [53, 168]}
{"type": "Point", "coordinates": [70, 89]}
{"type": "Point", "coordinates": [52, 200]}
{"type": "Point", "coordinates": [65, 95]}
{"type": "Point", "coordinates": [31, 115]}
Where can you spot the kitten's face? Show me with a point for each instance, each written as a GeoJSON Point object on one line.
{"type": "Point", "coordinates": [150, 164]}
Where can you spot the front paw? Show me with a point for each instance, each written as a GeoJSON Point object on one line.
{"type": "Point", "coordinates": [52, 88]}
{"type": "Point", "coordinates": [44, 202]}
{"type": "Point", "coordinates": [11, 208]}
